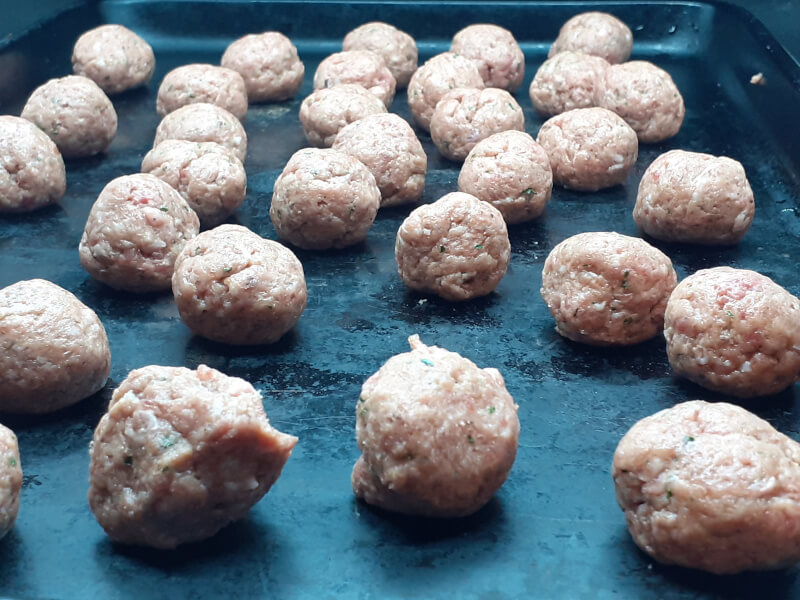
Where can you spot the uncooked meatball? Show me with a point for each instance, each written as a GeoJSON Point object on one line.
{"type": "Point", "coordinates": [10, 480]}
{"type": "Point", "coordinates": [191, 84]}
{"type": "Point", "coordinates": [204, 122]}
{"type": "Point", "coordinates": [495, 52]}
{"type": "Point", "coordinates": [114, 57]}
{"type": "Point", "coordinates": [566, 81]}
{"type": "Point", "coordinates": [589, 148]}
{"type": "Point", "coordinates": [596, 33]}
{"type": "Point", "coordinates": [324, 199]}
{"type": "Point", "coordinates": [235, 287]}
{"type": "Point", "coordinates": [180, 454]}
{"type": "Point", "coordinates": [438, 435]}
{"type": "Point", "coordinates": [136, 228]}
{"type": "Point", "coordinates": [456, 248]}
{"type": "Point", "coordinates": [734, 331]}
{"type": "Point", "coordinates": [361, 67]}
{"type": "Point", "coordinates": [603, 288]}
{"type": "Point", "coordinates": [55, 349]}
{"type": "Point", "coordinates": [397, 48]}
{"type": "Point", "coordinates": [75, 113]}
{"type": "Point", "coordinates": [326, 111]}
{"type": "Point", "coordinates": [390, 149]}
{"type": "Point", "coordinates": [269, 64]}
{"type": "Point", "coordinates": [510, 171]}
{"type": "Point", "coordinates": [711, 487]}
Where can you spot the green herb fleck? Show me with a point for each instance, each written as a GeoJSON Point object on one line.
{"type": "Point", "coordinates": [729, 313]}
{"type": "Point", "coordinates": [198, 251]}
{"type": "Point", "coordinates": [191, 95]}
{"type": "Point", "coordinates": [669, 494]}
{"type": "Point", "coordinates": [511, 106]}
{"type": "Point", "coordinates": [165, 469]}
{"type": "Point", "coordinates": [426, 362]}
{"type": "Point", "coordinates": [362, 399]}
{"type": "Point", "coordinates": [168, 442]}
{"type": "Point", "coordinates": [12, 462]}
{"type": "Point", "coordinates": [165, 209]}
{"type": "Point", "coordinates": [478, 246]}
{"type": "Point", "coordinates": [442, 249]}
{"type": "Point", "coordinates": [352, 208]}
{"type": "Point", "coordinates": [227, 269]}
{"type": "Point", "coordinates": [625, 283]}
{"type": "Point", "coordinates": [362, 412]}
{"type": "Point", "coordinates": [628, 321]}
{"type": "Point", "coordinates": [470, 439]}
{"type": "Point", "coordinates": [492, 410]}
{"type": "Point", "coordinates": [529, 192]}
{"type": "Point", "coordinates": [688, 438]}
{"type": "Point", "coordinates": [128, 460]}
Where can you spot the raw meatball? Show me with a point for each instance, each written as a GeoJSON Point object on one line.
{"type": "Point", "coordinates": [712, 487]}
{"type": "Point", "coordinates": [114, 57]}
{"type": "Point", "coordinates": [566, 81]}
{"type": "Point", "coordinates": [324, 199]}
{"type": "Point", "coordinates": [204, 122]}
{"type": "Point", "coordinates": [397, 48]}
{"type": "Point", "coordinates": [180, 454]}
{"type": "Point", "coordinates": [137, 227]}
{"type": "Point", "coordinates": [645, 96]}
{"type": "Point", "coordinates": [10, 480]}
{"type": "Point", "coordinates": [589, 148]}
{"type": "Point", "coordinates": [75, 113]}
{"type": "Point", "coordinates": [495, 52]}
{"type": "Point", "coordinates": [191, 84]}
{"type": "Point", "coordinates": [55, 349]}
{"type": "Point", "coordinates": [439, 75]}
{"type": "Point", "coordinates": [235, 287]}
{"type": "Point", "coordinates": [603, 288]}
{"type": "Point", "coordinates": [32, 173]}
{"type": "Point", "coordinates": [438, 435]}
{"type": "Point", "coordinates": [596, 33]}
{"type": "Point", "coordinates": [390, 149]}
{"type": "Point", "coordinates": [269, 64]}
{"type": "Point", "coordinates": [696, 198]}
{"type": "Point", "coordinates": [208, 176]}
{"type": "Point", "coordinates": [510, 171]}
{"type": "Point", "coordinates": [361, 67]}
{"type": "Point", "coordinates": [456, 248]}
{"type": "Point", "coordinates": [326, 111]}
{"type": "Point", "coordinates": [734, 331]}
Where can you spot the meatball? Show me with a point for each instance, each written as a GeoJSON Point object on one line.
{"type": "Point", "coordinates": [361, 67]}
{"type": "Point", "coordinates": [397, 48]}
{"type": "Point", "coordinates": [510, 171]}
{"type": "Point", "coordinates": [734, 331]}
{"type": "Point", "coordinates": [495, 52]}
{"type": "Point", "coordinates": [114, 57]}
{"type": "Point", "coordinates": [55, 349]}
{"type": "Point", "coordinates": [269, 64]}
{"type": "Point", "coordinates": [75, 113]}
{"type": "Point", "coordinates": [438, 434]}
{"type": "Point", "coordinates": [32, 171]}
{"type": "Point", "coordinates": [589, 148]}
{"type": "Point", "coordinates": [596, 33]}
{"type": "Point", "coordinates": [324, 199]}
{"type": "Point", "coordinates": [603, 288]}
{"type": "Point", "coordinates": [326, 111]}
{"type": "Point", "coordinates": [180, 454]}
{"type": "Point", "coordinates": [235, 287]}
{"type": "Point", "coordinates": [195, 83]}
{"type": "Point", "coordinates": [204, 122]}
{"type": "Point", "coordinates": [10, 480]}
{"type": "Point", "coordinates": [439, 75]}
{"type": "Point", "coordinates": [566, 81]}
{"type": "Point", "coordinates": [645, 96]}
{"type": "Point", "coordinates": [390, 149]}
{"type": "Point", "coordinates": [456, 248]}
{"type": "Point", "coordinates": [136, 228]}
{"type": "Point", "coordinates": [712, 487]}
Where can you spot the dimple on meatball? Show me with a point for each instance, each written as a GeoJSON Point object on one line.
{"type": "Point", "coordinates": [191, 84]}
{"type": "Point", "coordinates": [566, 81]}
{"type": "Point", "coordinates": [114, 57]}
{"type": "Point", "coordinates": [235, 287]}
{"type": "Point", "coordinates": [510, 171]}
{"type": "Point", "coordinates": [438, 435]}
{"type": "Point", "coordinates": [10, 480]}
{"type": "Point", "coordinates": [589, 148]}
{"type": "Point", "coordinates": [269, 64]}
{"type": "Point", "coordinates": [203, 122]}
{"type": "Point", "coordinates": [596, 33]}
{"type": "Point", "coordinates": [75, 113]}
{"type": "Point", "coordinates": [55, 349]}
{"type": "Point", "coordinates": [495, 52]}
{"type": "Point", "coordinates": [324, 199]}
{"type": "Point", "coordinates": [325, 112]}
{"type": "Point", "coordinates": [711, 487]}
{"type": "Point", "coordinates": [734, 331]}
{"type": "Point", "coordinates": [136, 228]}
{"type": "Point", "coordinates": [180, 454]}
{"type": "Point", "coordinates": [361, 67]}
{"type": "Point", "coordinates": [456, 248]}
{"type": "Point", "coordinates": [397, 48]}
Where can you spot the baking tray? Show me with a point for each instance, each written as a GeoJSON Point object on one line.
{"type": "Point", "coordinates": [554, 530]}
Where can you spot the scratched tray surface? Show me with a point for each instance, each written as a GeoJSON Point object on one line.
{"type": "Point", "coordinates": [554, 530]}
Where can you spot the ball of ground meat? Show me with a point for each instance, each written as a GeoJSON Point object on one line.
{"type": "Point", "coordinates": [603, 288]}
{"type": "Point", "coordinates": [734, 331]}
{"type": "Point", "coordinates": [324, 199]}
{"type": "Point", "coordinates": [439, 75]}
{"type": "Point", "coordinates": [438, 435]}
{"type": "Point", "coordinates": [136, 228]}
{"type": "Point", "coordinates": [361, 67]}
{"type": "Point", "coordinates": [325, 112]}
{"type": "Point", "coordinates": [204, 122]}
{"type": "Point", "coordinates": [208, 176]}
{"type": "Point", "coordinates": [180, 454]}
{"type": "Point", "coordinates": [566, 81]}
{"type": "Point", "coordinates": [495, 52]}
{"type": "Point", "coordinates": [269, 64]}
{"type": "Point", "coordinates": [55, 349]}
{"type": "Point", "coordinates": [32, 171]}
{"type": "Point", "coordinates": [645, 96]}
{"type": "Point", "coordinates": [191, 84]}
{"type": "Point", "coordinates": [712, 487]}
{"type": "Point", "coordinates": [235, 287]}
{"type": "Point", "coordinates": [596, 33]}
{"type": "Point", "coordinates": [390, 149]}
{"type": "Point", "coordinates": [589, 148]}
{"type": "Point", "coordinates": [114, 57]}
{"type": "Point", "coordinates": [75, 113]}
{"type": "Point", "coordinates": [510, 171]}
{"type": "Point", "coordinates": [397, 48]}
{"type": "Point", "coordinates": [10, 480]}
{"type": "Point", "coordinates": [456, 248]}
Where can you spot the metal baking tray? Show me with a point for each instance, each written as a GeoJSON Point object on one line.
{"type": "Point", "coordinates": [554, 530]}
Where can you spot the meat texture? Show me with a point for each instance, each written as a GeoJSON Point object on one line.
{"type": "Point", "coordinates": [495, 52]}
{"type": "Point", "coordinates": [397, 48]}
{"type": "Point", "coordinates": [361, 67]}
{"type": "Point", "coordinates": [10, 480]}
{"type": "Point", "coordinates": [567, 81]}
{"type": "Point", "coordinates": [325, 112]}
{"type": "Point", "coordinates": [114, 57]}
{"type": "Point", "coordinates": [195, 83]}
{"type": "Point", "coordinates": [596, 33]}
{"type": "Point", "coordinates": [268, 63]}
{"type": "Point", "coordinates": [203, 122]}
